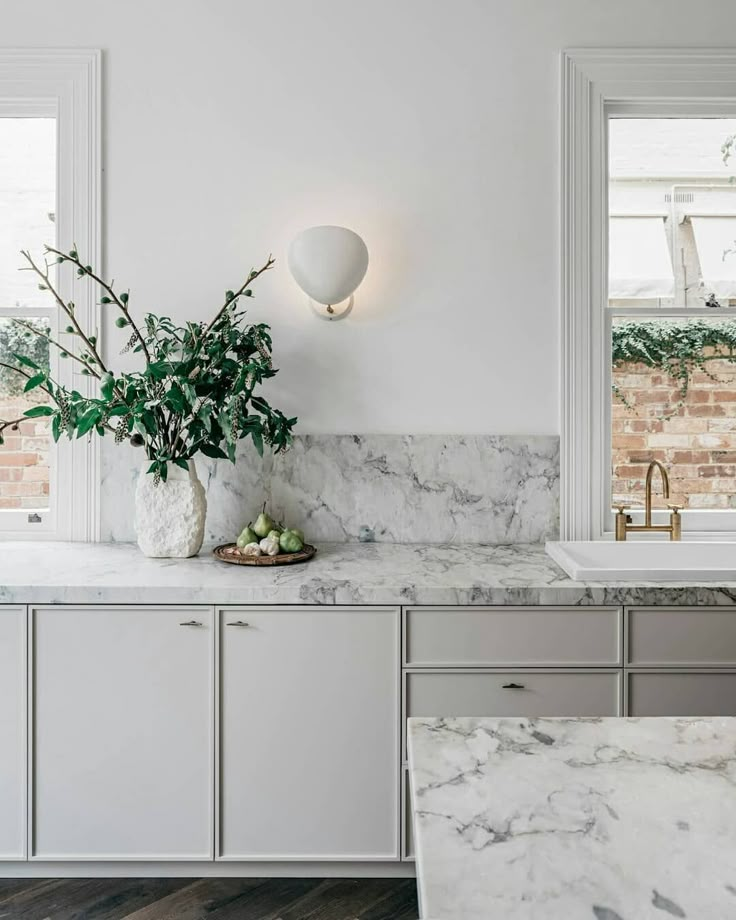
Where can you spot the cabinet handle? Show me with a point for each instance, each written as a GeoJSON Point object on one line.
{"type": "Point", "coordinates": [512, 686]}
{"type": "Point", "coordinates": [237, 623]}
{"type": "Point", "coordinates": [191, 623]}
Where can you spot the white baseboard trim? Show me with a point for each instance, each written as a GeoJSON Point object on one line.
{"type": "Point", "coordinates": [22, 869]}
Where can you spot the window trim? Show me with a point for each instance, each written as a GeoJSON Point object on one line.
{"type": "Point", "coordinates": [595, 84]}
{"type": "Point", "coordinates": [67, 81]}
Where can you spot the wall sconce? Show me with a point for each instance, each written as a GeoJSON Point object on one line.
{"type": "Point", "coordinates": [328, 264]}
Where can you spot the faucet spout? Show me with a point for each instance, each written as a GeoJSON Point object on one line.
{"type": "Point", "coordinates": [654, 465]}
{"type": "Point", "coordinates": [624, 523]}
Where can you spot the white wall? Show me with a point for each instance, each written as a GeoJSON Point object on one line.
{"type": "Point", "coordinates": [429, 126]}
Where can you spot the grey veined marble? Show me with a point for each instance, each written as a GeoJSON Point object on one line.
{"type": "Point", "coordinates": [403, 488]}
{"type": "Point", "coordinates": [575, 819]}
{"type": "Point", "coordinates": [340, 573]}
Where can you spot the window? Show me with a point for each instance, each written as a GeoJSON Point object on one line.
{"type": "Point", "coordinates": [648, 285]}
{"type": "Point", "coordinates": [27, 206]}
{"type": "Point", "coordinates": [672, 308]}
{"type": "Point", "coordinates": [49, 176]}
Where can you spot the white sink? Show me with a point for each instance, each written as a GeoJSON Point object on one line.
{"type": "Point", "coordinates": [645, 561]}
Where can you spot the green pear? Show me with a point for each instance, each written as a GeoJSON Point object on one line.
{"type": "Point", "coordinates": [291, 542]}
{"type": "Point", "coordinates": [275, 533]}
{"type": "Point", "coordinates": [247, 536]}
{"type": "Point", "coordinates": [264, 524]}
{"type": "Point", "coordinates": [299, 533]}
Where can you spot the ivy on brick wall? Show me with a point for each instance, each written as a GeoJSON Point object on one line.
{"type": "Point", "coordinates": [14, 340]}
{"type": "Point", "coordinates": [676, 347]}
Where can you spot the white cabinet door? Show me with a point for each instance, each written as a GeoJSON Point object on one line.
{"type": "Point", "coordinates": [309, 728]}
{"type": "Point", "coordinates": [122, 756]}
{"type": "Point", "coordinates": [12, 732]}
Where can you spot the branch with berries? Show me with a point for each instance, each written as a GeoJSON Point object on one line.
{"type": "Point", "coordinates": [194, 393]}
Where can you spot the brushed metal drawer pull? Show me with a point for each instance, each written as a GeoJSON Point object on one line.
{"type": "Point", "coordinates": [191, 623]}
{"type": "Point", "coordinates": [512, 686]}
{"type": "Point", "coordinates": [237, 623]}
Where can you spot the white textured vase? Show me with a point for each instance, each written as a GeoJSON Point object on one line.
{"type": "Point", "coordinates": [169, 516]}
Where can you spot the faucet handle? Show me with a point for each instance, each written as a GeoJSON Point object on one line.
{"type": "Point", "coordinates": [621, 508]}
{"type": "Point", "coordinates": [674, 507]}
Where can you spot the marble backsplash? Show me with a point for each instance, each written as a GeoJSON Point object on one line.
{"type": "Point", "coordinates": [404, 488]}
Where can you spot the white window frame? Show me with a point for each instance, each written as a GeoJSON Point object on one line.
{"type": "Point", "coordinates": [65, 83]}
{"type": "Point", "coordinates": [598, 83]}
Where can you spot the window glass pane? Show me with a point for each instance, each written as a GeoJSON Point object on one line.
{"type": "Point", "coordinates": [674, 400]}
{"type": "Point", "coordinates": [672, 212]}
{"type": "Point", "coordinates": [24, 457]}
{"type": "Point", "coordinates": [27, 212]}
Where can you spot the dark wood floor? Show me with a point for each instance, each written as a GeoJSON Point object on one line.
{"type": "Point", "coordinates": [208, 899]}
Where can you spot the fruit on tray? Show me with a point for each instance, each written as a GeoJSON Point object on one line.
{"type": "Point", "coordinates": [266, 537]}
{"type": "Point", "coordinates": [247, 536]}
{"type": "Point", "coordinates": [264, 524]}
{"type": "Point", "coordinates": [291, 542]}
{"type": "Point", "coordinates": [270, 546]}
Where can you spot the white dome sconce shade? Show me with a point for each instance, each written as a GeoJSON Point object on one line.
{"type": "Point", "coordinates": [328, 264]}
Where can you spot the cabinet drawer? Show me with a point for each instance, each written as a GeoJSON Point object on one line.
{"type": "Point", "coordinates": [533, 693]}
{"type": "Point", "coordinates": [681, 636]}
{"type": "Point", "coordinates": [525, 636]}
{"type": "Point", "coordinates": [707, 693]}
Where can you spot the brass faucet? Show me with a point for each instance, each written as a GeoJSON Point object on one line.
{"type": "Point", "coordinates": [624, 521]}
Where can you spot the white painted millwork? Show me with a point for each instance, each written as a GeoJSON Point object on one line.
{"type": "Point", "coordinates": [65, 83]}
{"type": "Point", "coordinates": [12, 732]}
{"type": "Point", "coordinates": [122, 712]}
{"type": "Point", "coordinates": [263, 739]}
{"type": "Point", "coordinates": [688, 693]}
{"type": "Point", "coordinates": [530, 636]}
{"type": "Point", "coordinates": [512, 693]}
{"type": "Point", "coordinates": [309, 734]}
{"type": "Point", "coordinates": [598, 83]}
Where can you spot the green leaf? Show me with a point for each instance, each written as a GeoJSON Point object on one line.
{"type": "Point", "coordinates": [107, 387]}
{"type": "Point", "coordinates": [34, 382]}
{"type": "Point", "coordinates": [258, 402]}
{"type": "Point", "coordinates": [26, 361]}
{"type": "Point", "coordinates": [159, 370]}
{"type": "Point", "coordinates": [88, 421]}
{"type": "Point", "coordinates": [39, 411]}
{"type": "Point", "coordinates": [212, 450]}
{"type": "Point", "coordinates": [175, 398]}
{"type": "Point", "coordinates": [258, 441]}
{"type": "Point", "coordinates": [149, 421]}
{"type": "Point", "coordinates": [184, 464]}
{"type": "Point", "coordinates": [56, 427]}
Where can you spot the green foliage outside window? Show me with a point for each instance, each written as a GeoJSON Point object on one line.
{"type": "Point", "coordinates": [14, 339]}
{"type": "Point", "coordinates": [677, 348]}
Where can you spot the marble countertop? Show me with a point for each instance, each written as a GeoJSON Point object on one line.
{"type": "Point", "coordinates": [574, 819]}
{"type": "Point", "coordinates": [340, 573]}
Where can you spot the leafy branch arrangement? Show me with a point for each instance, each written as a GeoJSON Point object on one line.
{"type": "Point", "coordinates": [676, 348]}
{"type": "Point", "coordinates": [193, 395]}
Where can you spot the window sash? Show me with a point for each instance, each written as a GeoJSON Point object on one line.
{"type": "Point", "coordinates": [65, 84]}
{"type": "Point", "coordinates": [598, 84]}
{"type": "Point", "coordinates": [694, 520]}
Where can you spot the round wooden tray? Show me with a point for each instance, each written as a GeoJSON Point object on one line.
{"type": "Point", "coordinates": [229, 552]}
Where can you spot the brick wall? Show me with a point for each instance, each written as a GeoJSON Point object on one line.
{"type": "Point", "coordinates": [697, 445]}
{"type": "Point", "coordinates": [24, 459]}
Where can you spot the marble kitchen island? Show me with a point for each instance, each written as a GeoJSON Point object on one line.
{"type": "Point", "coordinates": [573, 819]}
